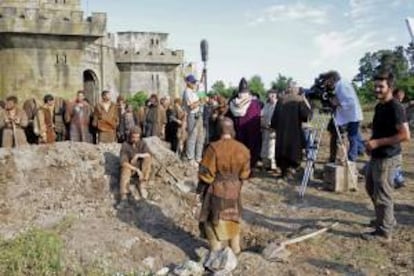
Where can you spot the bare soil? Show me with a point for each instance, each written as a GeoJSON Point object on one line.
{"type": "Point", "coordinates": [163, 230]}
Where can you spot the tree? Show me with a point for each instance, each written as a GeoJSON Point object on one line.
{"type": "Point", "coordinates": [281, 83]}
{"type": "Point", "coordinates": [220, 88]}
{"type": "Point", "coordinates": [256, 85]}
{"type": "Point", "coordinates": [395, 60]}
{"type": "Point", "coordinates": [138, 99]}
{"type": "Point", "coordinates": [407, 84]}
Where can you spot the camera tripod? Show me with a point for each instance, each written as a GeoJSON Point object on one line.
{"type": "Point", "coordinates": [313, 145]}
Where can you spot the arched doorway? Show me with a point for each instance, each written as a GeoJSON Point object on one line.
{"type": "Point", "coordinates": [90, 86]}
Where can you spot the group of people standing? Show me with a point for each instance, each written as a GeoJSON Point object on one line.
{"type": "Point", "coordinates": [58, 120]}
{"type": "Point", "coordinates": [223, 139]}
{"type": "Point", "coordinates": [255, 123]}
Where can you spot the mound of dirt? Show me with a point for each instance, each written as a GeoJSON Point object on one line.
{"type": "Point", "coordinates": [77, 184]}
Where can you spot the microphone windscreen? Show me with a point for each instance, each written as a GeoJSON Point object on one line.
{"type": "Point", "coordinates": [204, 50]}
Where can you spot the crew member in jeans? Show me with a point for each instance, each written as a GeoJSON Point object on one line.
{"type": "Point", "coordinates": [389, 129]}
{"type": "Point", "coordinates": [195, 129]}
{"type": "Point", "coordinates": [348, 115]}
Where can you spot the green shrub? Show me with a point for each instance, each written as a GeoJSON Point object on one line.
{"type": "Point", "coordinates": [138, 99]}
{"type": "Point", "coordinates": [36, 252]}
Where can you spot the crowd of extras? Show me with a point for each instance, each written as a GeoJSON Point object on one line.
{"type": "Point", "coordinates": [226, 138]}
{"type": "Point", "coordinates": [188, 123]}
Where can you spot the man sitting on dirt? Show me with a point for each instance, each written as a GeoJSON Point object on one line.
{"type": "Point", "coordinates": [135, 158]}
{"type": "Point", "coordinates": [389, 129]}
{"type": "Point", "coordinates": [226, 163]}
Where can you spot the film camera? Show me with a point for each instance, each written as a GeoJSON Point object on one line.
{"type": "Point", "coordinates": [322, 93]}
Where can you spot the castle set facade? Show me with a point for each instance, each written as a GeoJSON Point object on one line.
{"type": "Point", "coordinates": [48, 46]}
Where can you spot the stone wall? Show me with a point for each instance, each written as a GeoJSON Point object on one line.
{"type": "Point", "coordinates": [139, 41]}
{"type": "Point", "coordinates": [146, 64]}
{"type": "Point", "coordinates": [46, 46]}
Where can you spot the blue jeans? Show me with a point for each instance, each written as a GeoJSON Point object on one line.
{"type": "Point", "coordinates": [196, 137]}
{"type": "Point", "coordinates": [356, 144]}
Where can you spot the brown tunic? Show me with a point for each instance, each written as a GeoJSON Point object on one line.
{"type": "Point", "coordinates": [155, 121]}
{"type": "Point", "coordinates": [128, 151]}
{"type": "Point", "coordinates": [79, 116]}
{"type": "Point", "coordinates": [226, 163]}
{"type": "Point", "coordinates": [106, 121]}
{"type": "Point", "coordinates": [44, 124]}
{"type": "Point", "coordinates": [13, 136]}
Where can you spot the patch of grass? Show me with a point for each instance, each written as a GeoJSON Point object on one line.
{"type": "Point", "coordinates": [35, 252]}
{"type": "Point", "coordinates": [370, 254]}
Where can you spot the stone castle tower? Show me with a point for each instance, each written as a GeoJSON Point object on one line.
{"type": "Point", "coordinates": [48, 46]}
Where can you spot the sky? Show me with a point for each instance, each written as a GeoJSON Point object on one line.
{"type": "Point", "coordinates": [298, 39]}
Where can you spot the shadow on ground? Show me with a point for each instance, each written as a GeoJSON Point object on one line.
{"type": "Point", "coordinates": [342, 269]}
{"type": "Point", "coordinates": [149, 218]}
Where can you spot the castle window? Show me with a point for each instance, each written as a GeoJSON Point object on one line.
{"type": "Point", "coordinates": [137, 53]}
{"type": "Point", "coordinates": [157, 42]}
{"type": "Point", "coordinates": [150, 53]}
{"type": "Point", "coordinates": [22, 16]}
{"type": "Point", "coordinates": [152, 42]}
{"type": "Point", "coordinates": [57, 59]}
{"type": "Point", "coordinates": [125, 52]}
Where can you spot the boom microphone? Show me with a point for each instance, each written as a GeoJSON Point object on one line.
{"type": "Point", "coordinates": [204, 50]}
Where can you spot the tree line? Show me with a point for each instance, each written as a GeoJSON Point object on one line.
{"type": "Point", "coordinates": [399, 60]}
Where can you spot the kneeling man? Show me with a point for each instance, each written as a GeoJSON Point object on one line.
{"type": "Point", "coordinates": [226, 163]}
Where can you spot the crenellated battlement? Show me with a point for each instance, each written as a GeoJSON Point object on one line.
{"type": "Point", "coordinates": [50, 21]}
{"type": "Point", "coordinates": [43, 4]}
{"type": "Point", "coordinates": [147, 56]}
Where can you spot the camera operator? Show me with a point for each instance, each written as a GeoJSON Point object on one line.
{"type": "Point", "coordinates": [348, 115]}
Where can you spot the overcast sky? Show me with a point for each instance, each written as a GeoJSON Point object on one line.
{"type": "Point", "coordinates": [266, 37]}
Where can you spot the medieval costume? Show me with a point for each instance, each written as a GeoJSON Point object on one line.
{"type": "Point", "coordinates": [44, 126]}
{"type": "Point", "coordinates": [78, 115]}
{"type": "Point", "coordinates": [226, 163]}
{"type": "Point", "coordinates": [132, 162]}
{"type": "Point", "coordinates": [59, 119]}
{"type": "Point", "coordinates": [268, 134]}
{"type": "Point", "coordinates": [245, 112]}
{"type": "Point", "coordinates": [126, 123]}
{"type": "Point", "coordinates": [174, 128]}
{"type": "Point", "coordinates": [155, 119]}
{"type": "Point", "coordinates": [290, 111]}
{"type": "Point", "coordinates": [140, 116]}
{"type": "Point", "coordinates": [105, 119]}
{"type": "Point", "coordinates": [219, 112]}
{"type": "Point", "coordinates": [30, 106]}
{"type": "Point", "coordinates": [120, 130]}
{"type": "Point", "coordinates": [13, 122]}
